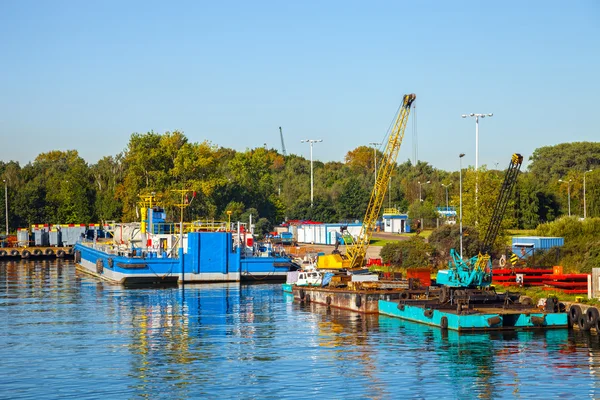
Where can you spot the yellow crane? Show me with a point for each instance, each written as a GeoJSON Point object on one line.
{"type": "Point", "coordinates": [357, 250]}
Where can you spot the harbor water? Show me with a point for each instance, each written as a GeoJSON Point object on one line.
{"type": "Point", "coordinates": [67, 335]}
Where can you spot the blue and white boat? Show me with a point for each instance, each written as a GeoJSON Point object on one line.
{"type": "Point", "coordinates": [159, 255]}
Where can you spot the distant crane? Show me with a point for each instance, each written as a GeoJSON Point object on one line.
{"type": "Point", "coordinates": [282, 144]}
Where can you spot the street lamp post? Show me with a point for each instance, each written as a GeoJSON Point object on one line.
{"type": "Point", "coordinates": [311, 141]}
{"type": "Point", "coordinates": [6, 203]}
{"type": "Point", "coordinates": [477, 116]}
{"type": "Point", "coordinates": [460, 156]}
{"type": "Point", "coordinates": [375, 144]}
{"type": "Point", "coordinates": [446, 186]}
{"type": "Point", "coordinates": [569, 192]}
{"type": "Point", "coordinates": [584, 204]}
{"type": "Point", "coordinates": [421, 184]}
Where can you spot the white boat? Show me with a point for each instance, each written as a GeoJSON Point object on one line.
{"type": "Point", "coordinates": [309, 278]}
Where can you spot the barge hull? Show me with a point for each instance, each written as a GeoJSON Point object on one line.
{"type": "Point", "coordinates": [363, 301]}
{"type": "Point", "coordinates": [490, 319]}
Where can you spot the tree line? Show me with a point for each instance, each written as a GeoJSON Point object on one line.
{"type": "Point", "coordinates": [60, 187]}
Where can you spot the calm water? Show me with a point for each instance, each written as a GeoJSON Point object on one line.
{"type": "Point", "coordinates": [65, 335]}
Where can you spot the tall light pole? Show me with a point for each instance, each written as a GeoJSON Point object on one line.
{"type": "Point", "coordinates": [477, 116]}
{"type": "Point", "coordinates": [421, 184]}
{"type": "Point", "coordinates": [446, 186]}
{"type": "Point", "coordinates": [460, 156]}
{"type": "Point", "coordinates": [584, 204]}
{"type": "Point", "coordinates": [569, 191]}
{"type": "Point", "coordinates": [311, 141]}
{"type": "Point", "coordinates": [375, 144]}
{"type": "Point", "coordinates": [6, 202]}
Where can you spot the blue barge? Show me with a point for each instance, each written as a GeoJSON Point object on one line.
{"type": "Point", "coordinates": [204, 257]}
{"type": "Point", "coordinates": [476, 319]}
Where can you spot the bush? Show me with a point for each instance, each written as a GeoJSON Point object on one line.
{"type": "Point", "coordinates": [447, 237]}
{"type": "Point", "coordinates": [581, 251]}
{"type": "Point", "coordinates": [415, 252]}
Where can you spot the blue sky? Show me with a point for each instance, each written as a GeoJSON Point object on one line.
{"type": "Point", "coordinates": [85, 75]}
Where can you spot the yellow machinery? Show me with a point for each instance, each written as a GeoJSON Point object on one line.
{"type": "Point", "coordinates": [357, 250]}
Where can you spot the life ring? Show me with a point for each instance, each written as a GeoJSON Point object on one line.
{"type": "Point", "coordinates": [37, 252]}
{"type": "Point", "coordinates": [444, 322]}
{"type": "Point", "coordinates": [2, 253]}
{"type": "Point", "coordinates": [60, 253]}
{"type": "Point", "coordinates": [49, 252]}
{"type": "Point", "coordinates": [428, 312]}
{"type": "Point", "coordinates": [99, 266]}
{"type": "Point", "coordinates": [502, 261]}
{"type": "Point", "coordinates": [110, 262]}
{"type": "Point", "coordinates": [358, 300]}
{"type": "Point", "coordinates": [328, 300]}
{"type": "Point", "coordinates": [25, 254]}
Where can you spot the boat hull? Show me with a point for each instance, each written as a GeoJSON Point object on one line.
{"type": "Point", "coordinates": [209, 258]}
{"type": "Point", "coordinates": [492, 319]}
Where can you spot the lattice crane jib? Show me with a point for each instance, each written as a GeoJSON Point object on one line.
{"type": "Point", "coordinates": [358, 250]}
{"type": "Point", "coordinates": [476, 272]}
{"type": "Point", "coordinates": [510, 179]}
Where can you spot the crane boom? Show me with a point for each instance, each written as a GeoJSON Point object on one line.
{"type": "Point", "coordinates": [357, 251]}
{"type": "Point", "coordinates": [282, 144]}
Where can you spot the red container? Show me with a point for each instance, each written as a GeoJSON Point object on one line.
{"type": "Point", "coordinates": [422, 274]}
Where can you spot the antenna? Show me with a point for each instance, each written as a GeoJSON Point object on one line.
{"type": "Point", "coordinates": [282, 144]}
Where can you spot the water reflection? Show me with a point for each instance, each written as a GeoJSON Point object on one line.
{"type": "Point", "coordinates": [90, 339]}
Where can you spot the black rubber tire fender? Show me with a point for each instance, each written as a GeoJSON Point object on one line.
{"type": "Point", "coordinates": [37, 252]}
{"type": "Point", "coordinates": [358, 301]}
{"type": "Point", "coordinates": [428, 313]}
{"type": "Point", "coordinates": [444, 322]}
{"type": "Point", "coordinates": [3, 253]}
{"type": "Point", "coordinates": [583, 323]}
{"type": "Point", "coordinates": [25, 254]}
{"type": "Point", "coordinates": [400, 306]}
{"type": "Point", "coordinates": [99, 265]}
{"type": "Point", "coordinates": [302, 294]}
{"type": "Point", "coordinates": [77, 256]}
{"type": "Point", "coordinates": [562, 307]}
{"type": "Point", "coordinates": [49, 252]}
{"type": "Point", "coordinates": [574, 314]}
{"type": "Point", "coordinates": [14, 253]}
{"type": "Point", "coordinates": [60, 253]}
{"type": "Point", "coordinates": [110, 262]}
{"type": "Point", "coordinates": [592, 315]}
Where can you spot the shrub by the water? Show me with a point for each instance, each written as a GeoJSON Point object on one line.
{"type": "Point", "coordinates": [415, 252]}
{"type": "Point", "coordinates": [581, 251]}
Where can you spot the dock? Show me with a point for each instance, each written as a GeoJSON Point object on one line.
{"type": "Point", "coordinates": [37, 252]}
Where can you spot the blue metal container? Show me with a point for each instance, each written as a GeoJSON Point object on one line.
{"type": "Point", "coordinates": [536, 242]}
